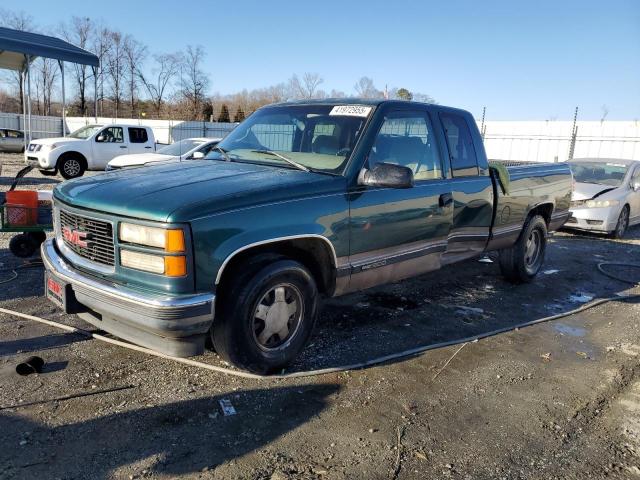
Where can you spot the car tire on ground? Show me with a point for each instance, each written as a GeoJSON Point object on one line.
{"type": "Point", "coordinates": [23, 245]}
{"type": "Point", "coordinates": [522, 262]}
{"type": "Point", "coordinates": [622, 225]}
{"type": "Point", "coordinates": [267, 313]}
{"type": "Point", "coordinates": [71, 167]}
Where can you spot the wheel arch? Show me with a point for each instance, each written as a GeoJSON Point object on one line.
{"type": "Point", "coordinates": [544, 209]}
{"type": "Point", "coordinates": [315, 252]}
{"type": "Point", "coordinates": [72, 153]}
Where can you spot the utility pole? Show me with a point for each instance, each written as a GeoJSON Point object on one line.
{"type": "Point", "coordinates": [574, 134]}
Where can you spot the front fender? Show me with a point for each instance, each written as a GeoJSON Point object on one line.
{"type": "Point", "coordinates": [217, 238]}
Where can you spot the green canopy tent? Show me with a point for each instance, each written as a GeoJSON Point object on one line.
{"type": "Point", "coordinates": [18, 49]}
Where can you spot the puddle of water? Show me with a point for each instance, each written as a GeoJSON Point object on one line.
{"type": "Point", "coordinates": [580, 298]}
{"type": "Point", "coordinates": [569, 330]}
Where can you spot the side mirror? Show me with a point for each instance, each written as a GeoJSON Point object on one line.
{"type": "Point", "coordinates": [100, 138]}
{"type": "Point", "coordinates": [386, 175]}
{"type": "Point", "coordinates": [197, 155]}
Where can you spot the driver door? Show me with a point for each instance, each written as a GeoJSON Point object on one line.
{"type": "Point", "coordinates": [107, 145]}
{"type": "Point", "coordinates": [398, 233]}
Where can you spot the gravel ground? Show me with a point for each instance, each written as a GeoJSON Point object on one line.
{"type": "Point", "coordinates": [556, 400]}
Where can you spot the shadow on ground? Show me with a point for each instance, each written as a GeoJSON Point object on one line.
{"type": "Point", "coordinates": [173, 439]}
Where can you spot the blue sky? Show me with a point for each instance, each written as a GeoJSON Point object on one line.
{"type": "Point", "coordinates": [522, 60]}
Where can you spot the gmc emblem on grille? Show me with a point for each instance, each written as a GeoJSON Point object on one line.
{"type": "Point", "coordinates": [75, 237]}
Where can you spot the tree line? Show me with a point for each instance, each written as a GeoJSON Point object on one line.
{"type": "Point", "coordinates": [133, 81]}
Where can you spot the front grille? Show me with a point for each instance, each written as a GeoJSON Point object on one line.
{"type": "Point", "coordinates": [97, 234]}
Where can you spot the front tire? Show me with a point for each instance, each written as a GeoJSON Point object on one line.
{"type": "Point", "coordinates": [622, 225]}
{"type": "Point", "coordinates": [522, 262]}
{"type": "Point", "coordinates": [71, 167]}
{"type": "Point", "coordinates": [266, 315]}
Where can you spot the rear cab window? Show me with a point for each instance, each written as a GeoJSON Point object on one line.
{"type": "Point", "coordinates": [138, 135]}
{"type": "Point", "coordinates": [462, 153]}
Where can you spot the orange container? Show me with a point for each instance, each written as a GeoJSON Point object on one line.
{"type": "Point", "coordinates": [21, 207]}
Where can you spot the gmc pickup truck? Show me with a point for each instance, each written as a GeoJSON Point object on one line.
{"type": "Point", "coordinates": [88, 148]}
{"type": "Point", "coordinates": [301, 201]}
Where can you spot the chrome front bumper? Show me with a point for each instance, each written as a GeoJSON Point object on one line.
{"type": "Point", "coordinates": [173, 324]}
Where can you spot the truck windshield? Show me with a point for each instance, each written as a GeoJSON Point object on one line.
{"type": "Point", "coordinates": [601, 173]}
{"type": "Point", "coordinates": [315, 137]}
{"type": "Point", "coordinates": [178, 148]}
{"type": "Point", "coordinates": [85, 132]}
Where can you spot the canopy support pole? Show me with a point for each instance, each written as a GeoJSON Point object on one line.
{"type": "Point", "coordinates": [64, 103]}
{"type": "Point", "coordinates": [95, 93]}
{"type": "Point", "coordinates": [28, 57]}
{"type": "Point", "coordinates": [24, 105]}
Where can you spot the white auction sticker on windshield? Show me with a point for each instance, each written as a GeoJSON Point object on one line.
{"type": "Point", "coordinates": [351, 110]}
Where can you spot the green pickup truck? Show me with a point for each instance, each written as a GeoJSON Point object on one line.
{"type": "Point", "coordinates": [302, 200]}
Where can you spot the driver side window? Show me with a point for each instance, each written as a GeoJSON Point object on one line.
{"type": "Point", "coordinates": [111, 135]}
{"type": "Point", "coordinates": [405, 138]}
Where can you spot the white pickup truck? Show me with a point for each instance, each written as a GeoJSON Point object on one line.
{"type": "Point", "coordinates": [88, 148]}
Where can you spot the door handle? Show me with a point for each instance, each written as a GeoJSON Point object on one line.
{"type": "Point", "coordinates": [147, 147]}
{"type": "Point", "coordinates": [122, 146]}
{"type": "Point", "coordinates": [445, 200]}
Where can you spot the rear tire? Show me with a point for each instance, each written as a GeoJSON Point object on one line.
{"type": "Point", "coordinates": [522, 262]}
{"type": "Point", "coordinates": [267, 314]}
{"type": "Point", "coordinates": [622, 225]}
{"type": "Point", "coordinates": [71, 167]}
{"type": "Point", "coordinates": [23, 245]}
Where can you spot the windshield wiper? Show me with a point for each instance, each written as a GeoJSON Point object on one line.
{"type": "Point", "coordinates": [226, 156]}
{"type": "Point", "coordinates": [288, 160]}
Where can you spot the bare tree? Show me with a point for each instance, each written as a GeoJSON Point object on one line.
{"type": "Point", "coordinates": [366, 89]}
{"type": "Point", "coordinates": [167, 67]}
{"type": "Point", "coordinates": [101, 46]}
{"type": "Point", "coordinates": [47, 73]}
{"type": "Point", "coordinates": [193, 81]}
{"type": "Point", "coordinates": [115, 68]}
{"type": "Point", "coordinates": [307, 87]}
{"type": "Point", "coordinates": [17, 21]}
{"type": "Point", "coordinates": [79, 31]}
{"type": "Point", "coordinates": [134, 53]}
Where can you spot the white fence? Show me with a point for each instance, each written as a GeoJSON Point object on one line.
{"type": "Point", "coordinates": [541, 141]}
{"type": "Point", "coordinates": [165, 131]}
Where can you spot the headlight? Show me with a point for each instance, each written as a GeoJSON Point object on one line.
{"type": "Point", "coordinates": [170, 240]}
{"type": "Point", "coordinates": [601, 203]}
{"type": "Point", "coordinates": [174, 266]}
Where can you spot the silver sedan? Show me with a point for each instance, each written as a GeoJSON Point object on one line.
{"type": "Point", "coordinates": [606, 195]}
{"type": "Point", "coordinates": [11, 140]}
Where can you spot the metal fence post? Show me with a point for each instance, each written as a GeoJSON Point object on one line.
{"type": "Point", "coordinates": [574, 134]}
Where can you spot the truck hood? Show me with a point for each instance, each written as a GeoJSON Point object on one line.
{"type": "Point", "coordinates": [139, 159]}
{"type": "Point", "coordinates": [587, 191]}
{"type": "Point", "coordinates": [181, 192]}
{"type": "Point", "coordinates": [56, 140]}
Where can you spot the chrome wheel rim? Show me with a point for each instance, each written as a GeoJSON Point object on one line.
{"type": "Point", "coordinates": [277, 317]}
{"type": "Point", "coordinates": [622, 222]}
{"type": "Point", "coordinates": [533, 249]}
{"type": "Point", "coordinates": [71, 167]}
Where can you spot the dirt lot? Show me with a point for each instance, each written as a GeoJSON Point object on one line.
{"type": "Point", "coordinates": [556, 400]}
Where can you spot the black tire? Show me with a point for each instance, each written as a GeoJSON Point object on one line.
{"type": "Point", "coordinates": [622, 225]}
{"type": "Point", "coordinates": [522, 262]}
{"type": "Point", "coordinates": [37, 237]}
{"type": "Point", "coordinates": [272, 290]}
{"type": "Point", "coordinates": [23, 245]}
{"type": "Point", "coordinates": [71, 167]}
{"type": "Point", "coordinates": [49, 173]}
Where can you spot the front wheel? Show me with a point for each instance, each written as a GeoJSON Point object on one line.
{"type": "Point", "coordinates": [71, 167]}
{"type": "Point", "coordinates": [622, 224]}
{"type": "Point", "coordinates": [266, 316]}
{"type": "Point", "coordinates": [522, 262]}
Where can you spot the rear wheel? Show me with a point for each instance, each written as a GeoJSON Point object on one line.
{"type": "Point", "coordinates": [522, 262]}
{"type": "Point", "coordinates": [623, 223]}
{"type": "Point", "coordinates": [266, 315]}
{"type": "Point", "coordinates": [71, 167]}
{"type": "Point", "coordinates": [23, 245]}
